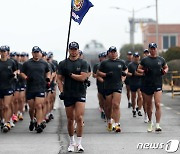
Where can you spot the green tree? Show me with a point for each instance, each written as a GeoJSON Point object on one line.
{"type": "Point", "coordinates": [172, 54]}
{"type": "Point", "coordinates": [129, 47]}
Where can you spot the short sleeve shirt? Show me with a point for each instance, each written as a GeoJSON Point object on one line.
{"type": "Point", "coordinates": [154, 66]}
{"type": "Point", "coordinates": [134, 80]}
{"type": "Point", "coordinates": [7, 68]}
{"type": "Point", "coordinates": [115, 66]}
{"type": "Point", "coordinates": [36, 70]}
{"type": "Point", "coordinates": [73, 88]}
{"type": "Point", "coordinates": [99, 84]}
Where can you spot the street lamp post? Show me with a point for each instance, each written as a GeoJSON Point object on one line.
{"type": "Point", "coordinates": [132, 21]}
{"type": "Point", "coordinates": [157, 29]}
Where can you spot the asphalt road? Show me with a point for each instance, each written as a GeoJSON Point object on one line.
{"type": "Point", "coordinates": [96, 138]}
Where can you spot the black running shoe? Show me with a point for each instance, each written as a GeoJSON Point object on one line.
{"type": "Point", "coordinates": [31, 125]}
{"type": "Point", "coordinates": [129, 104]}
{"type": "Point", "coordinates": [139, 113]}
{"type": "Point", "coordinates": [43, 124]}
{"type": "Point", "coordinates": [137, 109]}
{"type": "Point", "coordinates": [51, 116]}
{"type": "Point", "coordinates": [39, 129]}
{"type": "Point", "coordinates": [26, 108]}
{"type": "Point", "coordinates": [134, 113]}
{"type": "Point", "coordinates": [5, 129]}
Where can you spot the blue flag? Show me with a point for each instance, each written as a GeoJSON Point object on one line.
{"type": "Point", "coordinates": [80, 8]}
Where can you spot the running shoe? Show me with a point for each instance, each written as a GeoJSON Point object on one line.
{"type": "Point", "coordinates": [150, 127]}
{"type": "Point", "coordinates": [47, 120]}
{"type": "Point", "coordinates": [139, 113]}
{"type": "Point", "coordinates": [117, 129]}
{"type": "Point", "coordinates": [51, 116]}
{"type": "Point", "coordinates": [109, 126]}
{"type": "Point", "coordinates": [71, 148]}
{"type": "Point", "coordinates": [102, 115]}
{"type": "Point", "coordinates": [158, 129]}
{"type": "Point", "coordinates": [12, 123]}
{"type": "Point", "coordinates": [20, 117]}
{"type": "Point", "coordinates": [80, 148]}
{"type": "Point", "coordinates": [137, 109]}
{"type": "Point", "coordinates": [26, 107]}
{"type": "Point", "coordinates": [134, 113]}
{"type": "Point", "coordinates": [129, 104]}
{"type": "Point", "coordinates": [15, 118]}
{"type": "Point", "coordinates": [146, 118]}
{"type": "Point", "coordinates": [1, 124]}
{"type": "Point", "coordinates": [32, 125]}
{"type": "Point", "coordinates": [39, 129]}
{"type": "Point", "coordinates": [6, 127]}
{"type": "Point", "coordinates": [113, 126]}
{"type": "Point", "coordinates": [43, 124]}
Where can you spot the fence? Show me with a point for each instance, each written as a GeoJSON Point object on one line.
{"type": "Point", "coordinates": [171, 83]}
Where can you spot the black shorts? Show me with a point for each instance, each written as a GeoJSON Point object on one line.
{"type": "Point", "coordinates": [134, 88]}
{"type": "Point", "coordinates": [72, 100]}
{"type": "Point", "coordinates": [22, 88]}
{"type": "Point", "coordinates": [33, 95]}
{"type": "Point", "coordinates": [108, 92]}
{"type": "Point", "coordinates": [126, 81]}
{"type": "Point", "coordinates": [150, 90]}
{"type": "Point", "coordinates": [142, 89]}
{"type": "Point", "coordinates": [6, 92]}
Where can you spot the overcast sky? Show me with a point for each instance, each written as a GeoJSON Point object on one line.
{"type": "Point", "coordinates": [26, 23]}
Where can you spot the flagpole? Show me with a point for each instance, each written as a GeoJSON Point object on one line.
{"type": "Point", "coordinates": [69, 30]}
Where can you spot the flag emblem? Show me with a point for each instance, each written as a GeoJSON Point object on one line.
{"type": "Point", "coordinates": [78, 4]}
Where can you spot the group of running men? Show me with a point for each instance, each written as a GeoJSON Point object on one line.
{"type": "Point", "coordinates": [143, 79]}
{"type": "Point", "coordinates": [26, 83]}
{"type": "Point", "coordinates": [39, 77]}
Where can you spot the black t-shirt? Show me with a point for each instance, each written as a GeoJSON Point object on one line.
{"type": "Point", "coordinates": [99, 84]}
{"type": "Point", "coordinates": [36, 72]}
{"type": "Point", "coordinates": [134, 80]}
{"type": "Point", "coordinates": [73, 88]}
{"type": "Point", "coordinates": [7, 69]}
{"type": "Point", "coordinates": [55, 63]}
{"type": "Point", "coordinates": [89, 68]}
{"type": "Point", "coordinates": [154, 66]}
{"type": "Point", "coordinates": [127, 63]}
{"type": "Point", "coordinates": [115, 66]}
{"type": "Point", "coordinates": [21, 81]}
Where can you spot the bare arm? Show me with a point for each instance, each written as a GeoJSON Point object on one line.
{"type": "Point", "coordinates": [124, 77]}
{"type": "Point", "coordinates": [60, 82]}
{"type": "Point", "coordinates": [101, 74]}
{"type": "Point", "coordinates": [82, 77]}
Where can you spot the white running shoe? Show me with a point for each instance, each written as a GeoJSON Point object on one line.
{"type": "Point", "coordinates": [12, 124]}
{"type": "Point", "coordinates": [80, 148]}
{"type": "Point", "coordinates": [146, 118]}
{"type": "Point", "coordinates": [150, 127]}
{"type": "Point", "coordinates": [71, 148]}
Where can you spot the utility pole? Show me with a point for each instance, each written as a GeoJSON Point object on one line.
{"type": "Point", "coordinates": [157, 30]}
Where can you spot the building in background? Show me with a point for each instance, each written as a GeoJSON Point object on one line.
{"type": "Point", "coordinates": [168, 35]}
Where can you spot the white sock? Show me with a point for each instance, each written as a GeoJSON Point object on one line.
{"type": "Point", "coordinates": [116, 124]}
{"type": "Point", "coordinates": [157, 124]}
{"type": "Point", "coordinates": [79, 140]}
{"type": "Point", "coordinates": [109, 120]}
{"type": "Point", "coordinates": [72, 140]}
